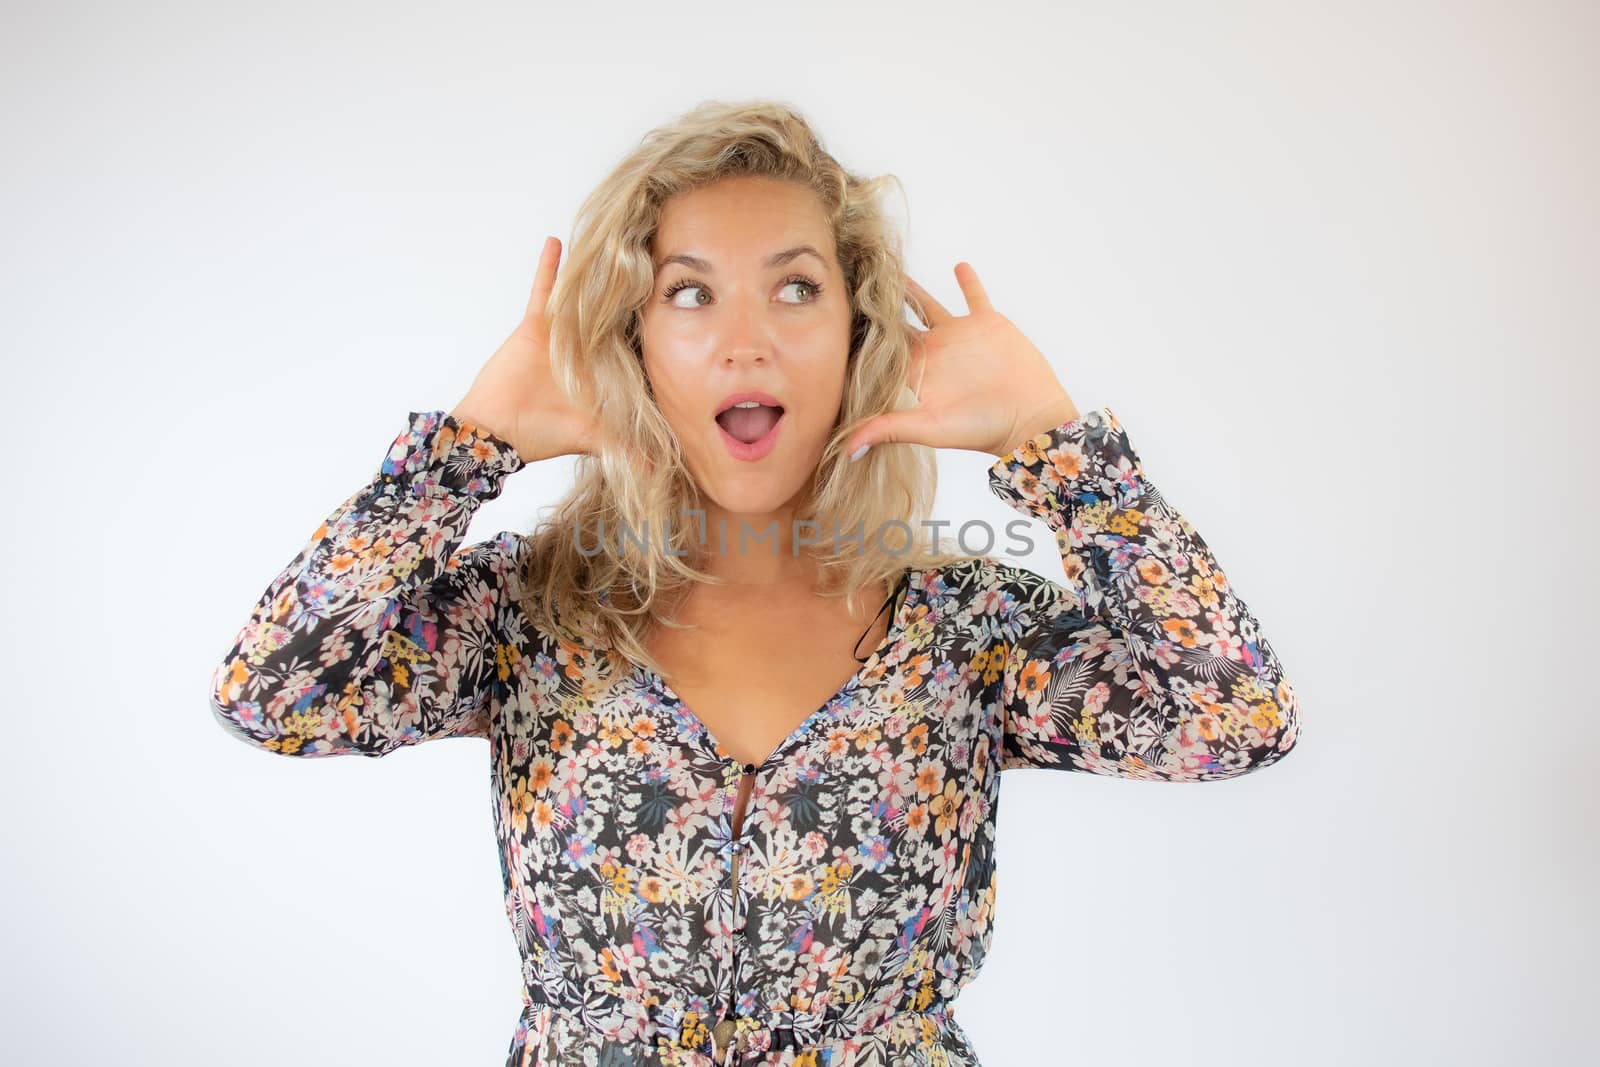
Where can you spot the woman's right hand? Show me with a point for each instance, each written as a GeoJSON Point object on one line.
{"type": "Point", "coordinates": [515, 396]}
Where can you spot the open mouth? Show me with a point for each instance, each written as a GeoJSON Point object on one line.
{"type": "Point", "coordinates": [749, 424]}
{"type": "Point", "coordinates": [750, 428]}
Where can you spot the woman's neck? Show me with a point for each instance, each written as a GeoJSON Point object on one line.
{"type": "Point", "coordinates": [756, 550]}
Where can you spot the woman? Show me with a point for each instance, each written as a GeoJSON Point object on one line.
{"type": "Point", "coordinates": [784, 855]}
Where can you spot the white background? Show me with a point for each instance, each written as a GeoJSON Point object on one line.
{"type": "Point", "coordinates": [1334, 266]}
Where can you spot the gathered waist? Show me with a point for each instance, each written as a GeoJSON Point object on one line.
{"type": "Point", "coordinates": [668, 1036]}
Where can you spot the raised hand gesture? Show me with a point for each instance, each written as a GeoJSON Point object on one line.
{"type": "Point", "coordinates": [515, 395]}
{"type": "Point", "coordinates": [980, 384]}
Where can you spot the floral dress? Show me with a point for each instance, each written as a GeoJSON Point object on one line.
{"type": "Point", "coordinates": [673, 907]}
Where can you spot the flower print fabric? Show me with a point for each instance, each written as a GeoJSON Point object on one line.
{"type": "Point", "coordinates": [862, 899]}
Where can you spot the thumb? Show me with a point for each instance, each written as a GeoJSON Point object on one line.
{"type": "Point", "coordinates": [891, 426]}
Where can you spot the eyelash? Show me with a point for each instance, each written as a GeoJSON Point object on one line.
{"type": "Point", "coordinates": [793, 279]}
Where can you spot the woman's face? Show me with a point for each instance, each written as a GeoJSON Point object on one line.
{"type": "Point", "coordinates": [748, 297]}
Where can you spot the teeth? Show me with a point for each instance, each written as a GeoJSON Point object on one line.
{"type": "Point", "coordinates": [749, 404]}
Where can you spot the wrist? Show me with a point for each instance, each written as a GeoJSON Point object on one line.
{"type": "Point", "coordinates": [473, 415]}
{"type": "Point", "coordinates": [1057, 412]}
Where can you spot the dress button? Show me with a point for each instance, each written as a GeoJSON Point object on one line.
{"type": "Point", "coordinates": [722, 1035]}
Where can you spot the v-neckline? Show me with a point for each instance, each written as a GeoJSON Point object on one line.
{"type": "Point", "coordinates": [897, 622]}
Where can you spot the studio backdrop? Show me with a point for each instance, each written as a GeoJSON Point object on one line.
{"type": "Point", "coordinates": [1332, 266]}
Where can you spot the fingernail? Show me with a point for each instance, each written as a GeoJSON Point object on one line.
{"type": "Point", "coordinates": [858, 453]}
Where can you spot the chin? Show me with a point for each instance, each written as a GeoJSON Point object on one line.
{"type": "Point", "coordinates": [762, 487]}
{"type": "Point", "coordinates": [755, 492]}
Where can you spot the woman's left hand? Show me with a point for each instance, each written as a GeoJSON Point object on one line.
{"type": "Point", "coordinates": [983, 385]}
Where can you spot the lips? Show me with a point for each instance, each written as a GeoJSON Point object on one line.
{"type": "Point", "coordinates": [750, 423]}
{"type": "Point", "coordinates": [750, 433]}
{"type": "Point", "coordinates": [749, 394]}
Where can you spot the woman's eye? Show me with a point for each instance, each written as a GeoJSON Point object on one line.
{"type": "Point", "coordinates": [810, 291]}
{"type": "Point", "coordinates": [675, 296]}
{"type": "Point", "coordinates": [700, 296]}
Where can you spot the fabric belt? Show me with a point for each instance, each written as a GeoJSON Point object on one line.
{"type": "Point", "coordinates": [690, 1039]}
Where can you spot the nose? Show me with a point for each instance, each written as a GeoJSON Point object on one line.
{"type": "Point", "coordinates": [746, 337]}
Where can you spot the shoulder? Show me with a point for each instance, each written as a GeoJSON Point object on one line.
{"type": "Point", "coordinates": [481, 576]}
{"type": "Point", "coordinates": [493, 574]}
{"type": "Point", "coordinates": [492, 560]}
{"type": "Point", "coordinates": [989, 585]}
{"type": "Point", "coordinates": [536, 614]}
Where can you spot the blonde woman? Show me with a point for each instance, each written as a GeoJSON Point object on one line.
{"type": "Point", "coordinates": [743, 817]}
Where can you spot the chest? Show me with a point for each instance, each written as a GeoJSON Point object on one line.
{"type": "Point", "coordinates": [753, 673]}
{"type": "Point", "coordinates": [864, 829]}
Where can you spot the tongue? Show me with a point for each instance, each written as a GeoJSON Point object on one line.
{"type": "Point", "coordinates": [749, 424]}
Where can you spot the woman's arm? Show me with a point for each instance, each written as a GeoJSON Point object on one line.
{"type": "Point", "coordinates": [1148, 664]}
{"type": "Point", "coordinates": [381, 633]}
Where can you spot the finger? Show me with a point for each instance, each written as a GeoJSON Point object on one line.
{"type": "Point", "coordinates": [544, 279]}
{"type": "Point", "coordinates": [891, 426]}
{"type": "Point", "coordinates": [932, 312]}
{"type": "Point", "coordinates": [972, 289]}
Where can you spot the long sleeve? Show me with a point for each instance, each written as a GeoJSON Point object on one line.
{"type": "Point", "coordinates": [1147, 664]}
{"type": "Point", "coordinates": [381, 632]}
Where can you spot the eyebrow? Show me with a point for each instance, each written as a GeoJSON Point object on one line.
{"type": "Point", "coordinates": [777, 259]}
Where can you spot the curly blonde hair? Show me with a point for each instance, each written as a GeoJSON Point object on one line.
{"type": "Point", "coordinates": [637, 479]}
